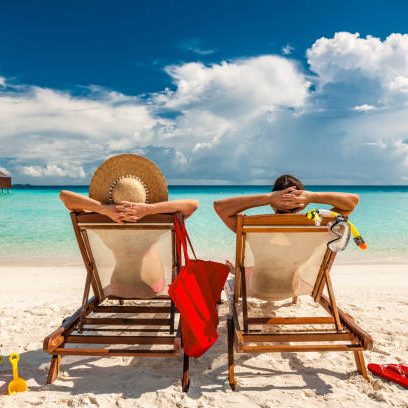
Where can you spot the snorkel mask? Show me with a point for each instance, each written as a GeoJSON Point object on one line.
{"type": "Point", "coordinates": [340, 227]}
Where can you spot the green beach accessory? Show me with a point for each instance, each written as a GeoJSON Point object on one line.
{"type": "Point", "coordinates": [341, 227]}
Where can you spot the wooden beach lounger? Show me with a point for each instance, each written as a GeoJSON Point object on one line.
{"type": "Point", "coordinates": [129, 268]}
{"type": "Point", "coordinates": [282, 257]}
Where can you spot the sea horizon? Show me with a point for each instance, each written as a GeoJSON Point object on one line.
{"type": "Point", "coordinates": [28, 185]}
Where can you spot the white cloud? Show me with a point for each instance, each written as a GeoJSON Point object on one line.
{"type": "Point", "coordinates": [42, 127]}
{"type": "Point", "coordinates": [196, 46]}
{"type": "Point", "coordinates": [245, 87]}
{"type": "Point", "coordinates": [201, 51]}
{"type": "Point", "coordinates": [2, 81]}
{"type": "Point", "coordinates": [347, 57]}
{"type": "Point", "coordinates": [68, 170]}
{"type": "Point", "coordinates": [222, 106]}
{"type": "Point", "coordinates": [287, 49]}
{"type": "Point", "coordinates": [364, 108]}
{"type": "Point", "coordinates": [399, 83]}
{"type": "Point", "coordinates": [4, 171]}
{"type": "Point", "coordinates": [41, 110]}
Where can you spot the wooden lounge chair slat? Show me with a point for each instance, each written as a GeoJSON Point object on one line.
{"type": "Point", "coordinates": [132, 309]}
{"type": "Point", "coordinates": [282, 229]}
{"type": "Point", "coordinates": [301, 348]}
{"type": "Point", "coordinates": [126, 321]}
{"type": "Point", "coordinates": [158, 297]}
{"type": "Point", "coordinates": [292, 320]}
{"type": "Point", "coordinates": [120, 339]}
{"type": "Point", "coordinates": [122, 330]}
{"type": "Point", "coordinates": [103, 352]}
{"type": "Point", "coordinates": [280, 219]}
{"type": "Point", "coordinates": [146, 227]}
{"type": "Point", "coordinates": [85, 217]}
{"type": "Point", "coordinates": [296, 337]}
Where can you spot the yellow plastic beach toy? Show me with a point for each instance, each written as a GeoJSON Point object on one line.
{"type": "Point", "coordinates": [17, 384]}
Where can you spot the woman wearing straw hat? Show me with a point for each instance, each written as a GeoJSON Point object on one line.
{"type": "Point", "coordinates": [125, 188]}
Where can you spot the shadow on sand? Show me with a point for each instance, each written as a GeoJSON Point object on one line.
{"type": "Point", "coordinates": [132, 377]}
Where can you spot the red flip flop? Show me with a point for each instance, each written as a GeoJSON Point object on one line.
{"type": "Point", "coordinates": [391, 372]}
{"type": "Point", "coordinates": [401, 369]}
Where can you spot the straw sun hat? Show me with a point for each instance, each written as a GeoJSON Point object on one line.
{"type": "Point", "coordinates": [128, 177]}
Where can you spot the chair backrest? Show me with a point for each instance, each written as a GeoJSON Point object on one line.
{"type": "Point", "coordinates": [282, 254]}
{"type": "Point", "coordinates": [133, 261]}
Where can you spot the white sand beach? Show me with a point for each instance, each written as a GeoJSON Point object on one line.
{"type": "Point", "coordinates": [34, 300]}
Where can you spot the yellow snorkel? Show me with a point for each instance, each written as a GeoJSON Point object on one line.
{"type": "Point", "coordinates": [358, 239]}
{"type": "Point", "coordinates": [316, 215]}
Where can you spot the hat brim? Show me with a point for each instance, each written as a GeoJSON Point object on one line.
{"type": "Point", "coordinates": [128, 165]}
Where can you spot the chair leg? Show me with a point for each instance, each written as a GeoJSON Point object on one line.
{"type": "Point", "coordinates": [54, 369]}
{"type": "Point", "coordinates": [185, 379]}
{"type": "Point", "coordinates": [231, 372]}
{"type": "Point", "coordinates": [361, 367]}
{"type": "Point", "coordinates": [172, 316]}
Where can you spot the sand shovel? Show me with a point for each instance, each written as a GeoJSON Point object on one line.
{"type": "Point", "coordinates": [17, 384]}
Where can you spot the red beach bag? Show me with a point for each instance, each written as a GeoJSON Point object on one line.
{"type": "Point", "coordinates": [195, 292]}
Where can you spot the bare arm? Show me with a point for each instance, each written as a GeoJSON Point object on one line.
{"type": "Point", "coordinates": [74, 201]}
{"type": "Point", "coordinates": [134, 211]}
{"type": "Point", "coordinates": [229, 208]}
{"type": "Point", "coordinates": [343, 203]}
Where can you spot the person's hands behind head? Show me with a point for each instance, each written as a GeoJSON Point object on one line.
{"type": "Point", "coordinates": [290, 200]}
{"type": "Point", "coordinates": [306, 196]}
{"type": "Point", "coordinates": [111, 211]}
{"type": "Point", "coordinates": [132, 212]}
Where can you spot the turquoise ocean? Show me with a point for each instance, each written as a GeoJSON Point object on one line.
{"type": "Point", "coordinates": [35, 227]}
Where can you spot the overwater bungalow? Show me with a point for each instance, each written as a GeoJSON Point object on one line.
{"type": "Point", "coordinates": [5, 182]}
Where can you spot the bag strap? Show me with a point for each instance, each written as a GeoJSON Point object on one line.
{"type": "Point", "coordinates": [185, 233]}
{"type": "Point", "coordinates": [181, 239]}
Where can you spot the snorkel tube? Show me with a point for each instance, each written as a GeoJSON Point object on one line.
{"type": "Point", "coordinates": [317, 214]}
{"type": "Point", "coordinates": [358, 239]}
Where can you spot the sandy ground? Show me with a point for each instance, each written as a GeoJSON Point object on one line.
{"type": "Point", "coordinates": [34, 300]}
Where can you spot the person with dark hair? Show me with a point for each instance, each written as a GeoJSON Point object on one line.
{"type": "Point", "coordinates": [288, 195]}
{"type": "Point", "coordinates": [286, 181]}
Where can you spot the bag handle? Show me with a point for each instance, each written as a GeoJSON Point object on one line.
{"type": "Point", "coordinates": [185, 233]}
{"type": "Point", "coordinates": [182, 238]}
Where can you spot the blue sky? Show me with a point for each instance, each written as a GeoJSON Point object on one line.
{"type": "Point", "coordinates": [202, 87]}
{"type": "Point", "coordinates": [124, 45]}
